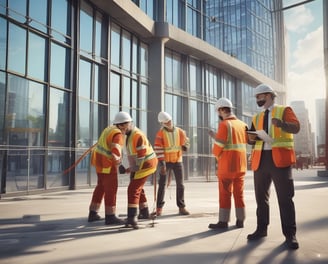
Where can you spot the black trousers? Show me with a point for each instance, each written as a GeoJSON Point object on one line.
{"type": "Point", "coordinates": [178, 174]}
{"type": "Point", "coordinates": [284, 186]}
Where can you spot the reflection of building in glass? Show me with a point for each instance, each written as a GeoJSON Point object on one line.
{"type": "Point", "coordinates": [244, 29]}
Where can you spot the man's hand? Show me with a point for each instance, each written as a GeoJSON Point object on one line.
{"type": "Point", "coordinates": [162, 167]}
{"type": "Point", "coordinates": [211, 133]}
{"type": "Point", "coordinates": [121, 169]}
{"type": "Point", "coordinates": [276, 122]}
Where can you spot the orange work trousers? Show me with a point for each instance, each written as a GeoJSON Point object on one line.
{"type": "Point", "coordinates": [106, 188]}
{"type": "Point", "coordinates": [136, 193]}
{"type": "Point", "coordinates": [231, 184]}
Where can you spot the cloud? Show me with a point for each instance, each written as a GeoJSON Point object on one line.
{"type": "Point", "coordinates": [298, 19]}
{"type": "Point", "coordinates": [306, 76]}
{"type": "Point", "coordinates": [306, 85]}
{"type": "Point", "coordinates": [309, 51]}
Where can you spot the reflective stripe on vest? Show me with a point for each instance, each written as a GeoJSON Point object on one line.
{"type": "Point", "coordinates": [280, 138]}
{"type": "Point", "coordinates": [232, 146]}
{"type": "Point", "coordinates": [173, 139]}
{"type": "Point", "coordinates": [102, 147]}
{"type": "Point", "coordinates": [132, 153]}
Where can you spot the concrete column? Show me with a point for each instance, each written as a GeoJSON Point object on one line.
{"type": "Point", "coordinates": [156, 85]}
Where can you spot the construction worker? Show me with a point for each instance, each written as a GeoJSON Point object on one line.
{"type": "Point", "coordinates": [169, 143]}
{"type": "Point", "coordinates": [272, 160]}
{"type": "Point", "coordinates": [229, 150]}
{"type": "Point", "coordinates": [106, 157]}
{"type": "Point", "coordinates": [142, 163]}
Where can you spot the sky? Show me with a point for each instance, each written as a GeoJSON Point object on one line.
{"type": "Point", "coordinates": [304, 48]}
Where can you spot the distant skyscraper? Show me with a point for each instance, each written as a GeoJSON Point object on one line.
{"type": "Point", "coordinates": [250, 31]}
{"type": "Point", "coordinates": [304, 144]}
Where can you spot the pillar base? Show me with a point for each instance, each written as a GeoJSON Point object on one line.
{"type": "Point", "coordinates": [323, 173]}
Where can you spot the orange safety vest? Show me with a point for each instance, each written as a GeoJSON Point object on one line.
{"type": "Point", "coordinates": [104, 156]}
{"type": "Point", "coordinates": [230, 146]}
{"type": "Point", "coordinates": [140, 153]}
{"type": "Point", "coordinates": [283, 153]}
{"type": "Point", "coordinates": [168, 144]}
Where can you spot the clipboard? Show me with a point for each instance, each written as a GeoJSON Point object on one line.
{"type": "Point", "coordinates": [262, 135]}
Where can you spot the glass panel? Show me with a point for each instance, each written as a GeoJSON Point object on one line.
{"type": "Point", "coordinates": [84, 140]}
{"type": "Point", "coordinates": [17, 10]}
{"type": "Point", "coordinates": [26, 122]}
{"type": "Point", "coordinates": [98, 38]}
{"type": "Point", "coordinates": [135, 55]}
{"type": "Point", "coordinates": [143, 124]}
{"type": "Point", "coordinates": [84, 79]}
{"type": "Point", "coordinates": [126, 51]}
{"type": "Point", "coordinates": [192, 77]}
{"type": "Point", "coordinates": [57, 163]}
{"type": "Point", "coordinates": [168, 71]}
{"type": "Point", "coordinates": [60, 22]}
{"type": "Point", "coordinates": [58, 159]}
{"type": "Point", "coordinates": [144, 60]}
{"type": "Point", "coordinates": [86, 30]}
{"type": "Point", "coordinates": [2, 105]}
{"type": "Point", "coordinates": [38, 14]}
{"type": "Point", "coordinates": [96, 83]}
{"type": "Point", "coordinates": [26, 105]}
{"type": "Point", "coordinates": [36, 57]}
{"type": "Point", "coordinates": [60, 66]}
{"type": "Point", "coordinates": [115, 45]}
{"type": "Point", "coordinates": [16, 49]}
{"type": "Point", "coordinates": [114, 95]}
{"type": "Point", "coordinates": [3, 7]}
{"type": "Point", "coordinates": [96, 122]}
{"type": "Point", "coordinates": [58, 118]}
{"type": "Point", "coordinates": [83, 118]}
{"type": "Point", "coordinates": [3, 43]}
{"type": "Point", "coordinates": [176, 72]}
{"type": "Point", "coordinates": [25, 169]}
{"type": "Point", "coordinates": [126, 93]}
{"type": "Point", "coordinates": [101, 84]}
{"type": "Point", "coordinates": [134, 95]}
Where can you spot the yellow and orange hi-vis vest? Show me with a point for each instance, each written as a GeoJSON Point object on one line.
{"type": "Point", "coordinates": [283, 153]}
{"type": "Point", "coordinates": [107, 153]}
{"type": "Point", "coordinates": [230, 146]}
{"type": "Point", "coordinates": [140, 154]}
{"type": "Point", "coordinates": [168, 144]}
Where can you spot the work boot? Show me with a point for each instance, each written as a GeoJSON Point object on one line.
{"type": "Point", "coordinates": [218, 225]}
{"type": "Point", "coordinates": [239, 223]}
{"type": "Point", "coordinates": [93, 216]}
{"type": "Point", "coordinates": [131, 220]}
{"type": "Point", "coordinates": [259, 233]}
{"type": "Point", "coordinates": [159, 211]}
{"type": "Point", "coordinates": [183, 211]}
{"type": "Point", "coordinates": [144, 213]}
{"type": "Point", "coordinates": [113, 220]}
{"type": "Point", "coordinates": [291, 242]}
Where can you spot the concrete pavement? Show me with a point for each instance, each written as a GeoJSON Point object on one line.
{"type": "Point", "coordinates": [53, 228]}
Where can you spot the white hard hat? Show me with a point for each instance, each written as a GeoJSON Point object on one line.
{"type": "Point", "coordinates": [164, 117]}
{"type": "Point", "coordinates": [122, 117]}
{"type": "Point", "coordinates": [223, 102]}
{"type": "Point", "coordinates": [263, 88]}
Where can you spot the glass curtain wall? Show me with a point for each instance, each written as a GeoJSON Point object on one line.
{"type": "Point", "coordinates": [128, 76]}
{"type": "Point", "coordinates": [92, 100]}
{"type": "Point", "coordinates": [191, 90]}
{"type": "Point", "coordinates": [34, 94]}
{"type": "Point", "coordinates": [243, 29]}
{"type": "Point", "coordinates": [55, 98]}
